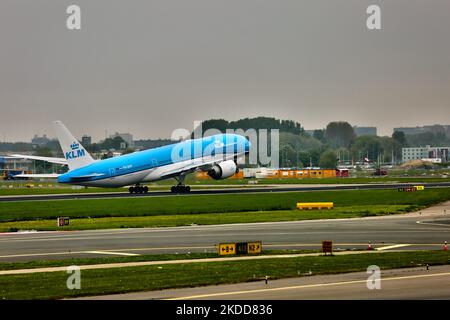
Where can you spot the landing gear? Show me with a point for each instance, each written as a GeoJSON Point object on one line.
{"type": "Point", "coordinates": [138, 189]}
{"type": "Point", "coordinates": [180, 187]}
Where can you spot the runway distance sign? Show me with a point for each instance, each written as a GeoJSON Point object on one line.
{"type": "Point", "coordinates": [254, 247]}
{"type": "Point", "coordinates": [411, 189]}
{"type": "Point", "coordinates": [227, 249]}
{"type": "Point", "coordinates": [240, 248]}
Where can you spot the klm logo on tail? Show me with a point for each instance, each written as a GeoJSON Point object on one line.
{"type": "Point", "coordinates": [76, 152]}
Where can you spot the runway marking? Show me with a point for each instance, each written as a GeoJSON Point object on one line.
{"type": "Point", "coordinates": [304, 286]}
{"type": "Point", "coordinates": [69, 237]}
{"type": "Point", "coordinates": [164, 248]}
{"type": "Point", "coordinates": [113, 253]}
{"type": "Point", "coordinates": [197, 247]}
{"type": "Point", "coordinates": [393, 247]}
{"type": "Point", "coordinates": [42, 254]}
{"type": "Point", "coordinates": [433, 224]}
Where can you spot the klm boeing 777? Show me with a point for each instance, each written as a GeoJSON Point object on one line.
{"type": "Point", "coordinates": [217, 155]}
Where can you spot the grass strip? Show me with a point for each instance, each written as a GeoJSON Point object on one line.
{"type": "Point", "coordinates": [205, 218]}
{"type": "Point", "coordinates": [20, 188]}
{"type": "Point", "coordinates": [141, 258]}
{"type": "Point", "coordinates": [199, 204]}
{"type": "Point", "coordinates": [120, 280]}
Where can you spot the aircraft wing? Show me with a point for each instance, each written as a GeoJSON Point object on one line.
{"type": "Point", "coordinates": [47, 159]}
{"type": "Point", "coordinates": [200, 164]}
{"type": "Point", "coordinates": [42, 176]}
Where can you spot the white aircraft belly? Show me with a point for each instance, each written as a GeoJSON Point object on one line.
{"type": "Point", "coordinates": [118, 181]}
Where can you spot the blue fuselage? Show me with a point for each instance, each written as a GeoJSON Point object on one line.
{"type": "Point", "coordinates": [135, 167]}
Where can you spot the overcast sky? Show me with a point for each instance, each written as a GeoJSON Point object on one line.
{"type": "Point", "coordinates": [149, 67]}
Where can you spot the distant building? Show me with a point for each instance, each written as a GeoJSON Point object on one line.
{"type": "Point", "coordinates": [409, 130]}
{"type": "Point", "coordinates": [127, 137]}
{"type": "Point", "coordinates": [86, 141]}
{"type": "Point", "coordinates": [8, 163]}
{"type": "Point", "coordinates": [40, 141]}
{"type": "Point", "coordinates": [437, 128]}
{"type": "Point", "coordinates": [434, 154]}
{"type": "Point", "coordinates": [365, 131]}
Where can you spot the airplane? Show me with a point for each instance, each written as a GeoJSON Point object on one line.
{"type": "Point", "coordinates": [217, 155]}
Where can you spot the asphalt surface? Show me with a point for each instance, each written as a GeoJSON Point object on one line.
{"type": "Point", "coordinates": [262, 189]}
{"type": "Point", "coordinates": [425, 230]}
{"type": "Point", "coordinates": [411, 283]}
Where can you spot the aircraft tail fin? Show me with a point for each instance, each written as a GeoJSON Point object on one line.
{"type": "Point", "coordinates": [74, 152]}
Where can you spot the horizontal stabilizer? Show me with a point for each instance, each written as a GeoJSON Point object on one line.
{"type": "Point", "coordinates": [38, 176]}
{"type": "Point", "coordinates": [47, 159]}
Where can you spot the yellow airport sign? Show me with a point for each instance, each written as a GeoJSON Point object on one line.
{"type": "Point", "coordinates": [227, 249]}
{"type": "Point", "coordinates": [419, 188]}
{"type": "Point", "coordinates": [254, 247]}
{"type": "Point", "coordinates": [314, 205]}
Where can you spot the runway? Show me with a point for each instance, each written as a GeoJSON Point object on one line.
{"type": "Point", "coordinates": [427, 230]}
{"type": "Point", "coordinates": [410, 283]}
{"type": "Point", "coordinates": [261, 189]}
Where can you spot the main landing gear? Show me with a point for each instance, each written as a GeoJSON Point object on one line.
{"type": "Point", "coordinates": [180, 187]}
{"type": "Point", "coordinates": [138, 189]}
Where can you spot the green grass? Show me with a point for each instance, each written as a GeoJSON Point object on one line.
{"type": "Point", "coordinates": [52, 285]}
{"type": "Point", "coordinates": [200, 204]}
{"type": "Point", "coordinates": [19, 187]}
{"type": "Point", "coordinates": [21, 190]}
{"type": "Point", "coordinates": [206, 218]}
{"type": "Point", "coordinates": [149, 257]}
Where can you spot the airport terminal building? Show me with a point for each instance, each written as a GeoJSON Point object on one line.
{"type": "Point", "coordinates": [432, 154]}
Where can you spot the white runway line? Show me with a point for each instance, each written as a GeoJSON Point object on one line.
{"type": "Point", "coordinates": [114, 253]}
{"type": "Point", "coordinates": [393, 247]}
{"type": "Point", "coordinates": [203, 296]}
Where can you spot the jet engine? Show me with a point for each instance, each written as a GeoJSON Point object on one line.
{"type": "Point", "coordinates": [223, 170]}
